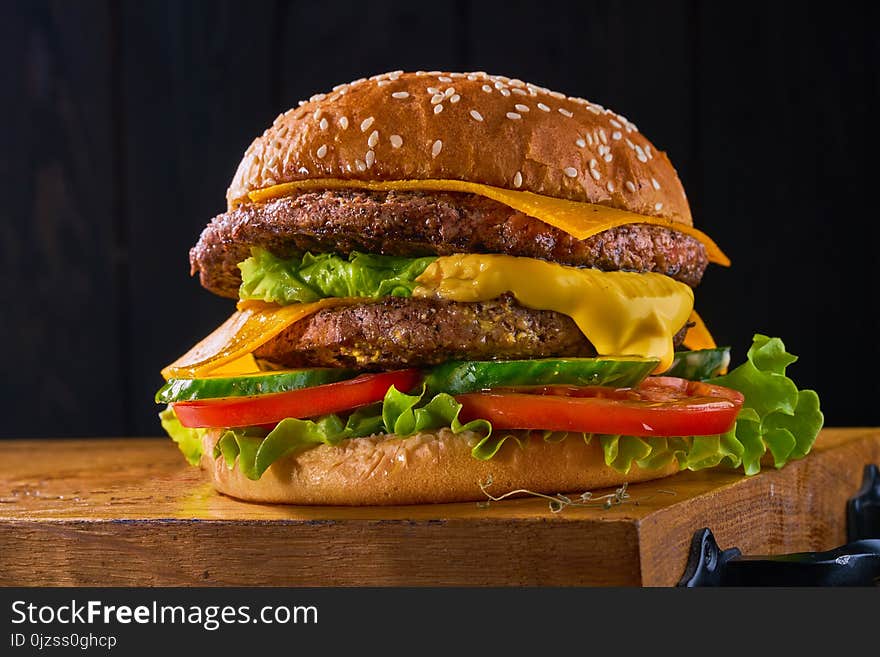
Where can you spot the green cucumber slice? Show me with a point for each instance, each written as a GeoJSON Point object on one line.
{"type": "Point", "coordinates": [459, 377]}
{"type": "Point", "coordinates": [246, 385]}
{"type": "Point", "coordinates": [699, 365]}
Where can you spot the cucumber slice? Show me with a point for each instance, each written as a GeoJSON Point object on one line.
{"type": "Point", "coordinates": [459, 377]}
{"type": "Point", "coordinates": [699, 365]}
{"type": "Point", "coordinates": [263, 383]}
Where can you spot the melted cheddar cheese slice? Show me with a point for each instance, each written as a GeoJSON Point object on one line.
{"type": "Point", "coordinates": [580, 220]}
{"type": "Point", "coordinates": [620, 313]}
{"type": "Point", "coordinates": [228, 349]}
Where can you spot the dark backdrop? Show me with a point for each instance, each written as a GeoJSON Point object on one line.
{"type": "Point", "coordinates": [122, 124]}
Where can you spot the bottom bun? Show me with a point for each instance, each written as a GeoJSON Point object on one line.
{"type": "Point", "coordinates": [426, 467]}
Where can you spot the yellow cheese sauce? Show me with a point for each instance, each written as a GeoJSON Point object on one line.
{"type": "Point", "coordinates": [620, 313]}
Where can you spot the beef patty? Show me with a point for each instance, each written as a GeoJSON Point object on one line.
{"type": "Point", "coordinates": [395, 333]}
{"type": "Point", "coordinates": [418, 224]}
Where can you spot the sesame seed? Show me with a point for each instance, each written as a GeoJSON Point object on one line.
{"type": "Point", "coordinates": [360, 165]}
{"type": "Point", "coordinates": [471, 77]}
{"type": "Point", "coordinates": [603, 135]}
{"type": "Point", "coordinates": [317, 97]}
{"type": "Point", "coordinates": [487, 88]}
{"type": "Point", "coordinates": [322, 150]}
{"type": "Point", "coordinates": [543, 107]}
{"type": "Point", "coordinates": [658, 207]}
{"type": "Point", "coordinates": [382, 83]}
{"type": "Point", "coordinates": [300, 103]}
{"type": "Point", "coordinates": [437, 98]}
{"type": "Point", "coordinates": [366, 123]}
{"type": "Point", "coordinates": [608, 157]}
{"type": "Point", "coordinates": [641, 154]}
{"type": "Point", "coordinates": [316, 115]}
{"type": "Point", "coordinates": [476, 115]}
{"type": "Point", "coordinates": [609, 186]}
{"type": "Point", "coordinates": [432, 90]}
{"type": "Point", "coordinates": [596, 175]}
{"type": "Point", "coordinates": [556, 94]}
{"type": "Point", "coordinates": [456, 75]}
{"type": "Point", "coordinates": [517, 179]}
{"type": "Point", "coordinates": [438, 109]}
{"type": "Point", "coordinates": [581, 143]}
{"type": "Point", "coordinates": [571, 172]}
{"type": "Point", "coordinates": [449, 92]}
{"type": "Point", "coordinates": [594, 109]}
{"type": "Point", "coordinates": [499, 85]}
{"type": "Point", "coordinates": [436, 148]}
{"type": "Point", "coordinates": [655, 183]}
{"type": "Point", "coordinates": [396, 141]}
{"type": "Point", "coordinates": [513, 116]}
{"type": "Point", "coordinates": [443, 78]}
{"type": "Point", "coordinates": [400, 94]}
{"type": "Point", "coordinates": [615, 123]}
{"type": "Point", "coordinates": [323, 124]}
{"type": "Point", "coordinates": [505, 92]}
{"type": "Point", "coordinates": [603, 149]}
{"type": "Point", "coordinates": [516, 82]}
{"type": "Point", "coordinates": [629, 143]}
{"type": "Point", "coordinates": [648, 151]}
{"type": "Point", "coordinates": [370, 157]}
{"type": "Point", "coordinates": [521, 108]}
{"type": "Point", "coordinates": [565, 112]}
{"type": "Point", "coordinates": [589, 139]}
{"type": "Point", "coordinates": [455, 98]}
{"type": "Point", "coordinates": [343, 121]}
{"type": "Point", "coordinates": [521, 92]}
{"type": "Point", "coordinates": [374, 139]}
{"type": "Point", "coordinates": [630, 186]}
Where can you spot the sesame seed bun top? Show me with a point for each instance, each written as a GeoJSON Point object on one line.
{"type": "Point", "coordinates": [476, 127]}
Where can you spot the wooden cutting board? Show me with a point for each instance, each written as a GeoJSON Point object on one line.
{"type": "Point", "coordinates": [114, 512]}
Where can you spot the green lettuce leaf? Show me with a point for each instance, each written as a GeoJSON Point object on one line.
{"type": "Point", "coordinates": [266, 277]}
{"type": "Point", "coordinates": [189, 441]}
{"type": "Point", "coordinates": [401, 414]}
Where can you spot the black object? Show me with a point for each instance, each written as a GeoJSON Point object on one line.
{"type": "Point", "coordinates": [855, 564]}
{"type": "Point", "coordinates": [863, 510]}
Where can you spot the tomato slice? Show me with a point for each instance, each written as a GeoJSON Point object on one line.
{"type": "Point", "coordinates": [659, 406]}
{"type": "Point", "coordinates": [306, 402]}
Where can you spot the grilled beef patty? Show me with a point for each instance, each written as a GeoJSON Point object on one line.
{"type": "Point", "coordinates": [395, 333]}
{"type": "Point", "coordinates": [421, 223]}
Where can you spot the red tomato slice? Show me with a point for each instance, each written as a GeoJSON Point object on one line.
{"type": "Point", "coordinates": [307, 402]}
{"type": "Point", "coordinates": [659, 406]}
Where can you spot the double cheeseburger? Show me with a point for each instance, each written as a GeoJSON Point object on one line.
{"type": "Point", "coordinates": [447, 279]}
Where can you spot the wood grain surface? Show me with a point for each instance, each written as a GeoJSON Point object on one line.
{"type": "Point", "coordinates": [110, 512]}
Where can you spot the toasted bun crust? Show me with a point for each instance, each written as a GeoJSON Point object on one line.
{"type": "Point", "coordinates": [427, 467]}
{"type": "Point", "coordinates": [465, 126]}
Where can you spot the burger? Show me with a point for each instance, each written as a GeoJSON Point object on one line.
{"type": "Point", "coordinates": [449, 279]}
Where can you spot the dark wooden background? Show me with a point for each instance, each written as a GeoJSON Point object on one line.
{"type": "Point", "coordinates": [123, 122]}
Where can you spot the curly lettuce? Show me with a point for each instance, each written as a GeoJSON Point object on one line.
{"type": "Point", "coordinates": [189, 441]}
{"type": "Point", "coordinates": [265, 277]}
{"type": "Point", "coordinates": [401, 414]}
